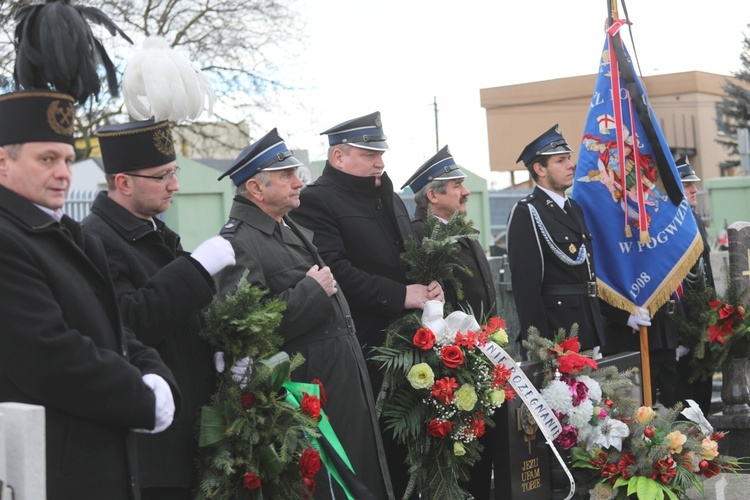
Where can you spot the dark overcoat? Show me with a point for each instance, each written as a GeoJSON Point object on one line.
{"type": "Point", "coordinates": [161, 291]}
{"type": "Point", "coordinates": [359, 231]}
{"type": "Point", "coordinates": [277, 258]}
{"type": "Point", "coordinates": [535, 259]}
{"type": "Point", "coordinates": [479, 290]}
{"type": "Point", "coordinates": [63, 346]}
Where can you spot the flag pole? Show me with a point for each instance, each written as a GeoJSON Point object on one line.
{"type": "Point", "coordinates": [643, 333]}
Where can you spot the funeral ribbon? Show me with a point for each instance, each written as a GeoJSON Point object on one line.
{"type": "Point", "coordinates": [445, 330]}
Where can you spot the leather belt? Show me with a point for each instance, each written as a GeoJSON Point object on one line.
{"type": "Point", "coordinates": [589, 289]}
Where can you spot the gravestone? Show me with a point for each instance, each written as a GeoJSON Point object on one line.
{"type": "Point", "coordinates": [24, 454]}
{"type": "Point", "coordinates": [524, 465]}
{"type": "Point", "coordinates": [735, 417]}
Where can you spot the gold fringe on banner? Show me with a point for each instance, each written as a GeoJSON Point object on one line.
{"type": "Point", "coordinates": [664, 291]}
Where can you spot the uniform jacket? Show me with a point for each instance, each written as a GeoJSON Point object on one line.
{"type": "Point", "coordinates": [277, 258]}
{"type": "Point", "coordinates": [534, 264]}
{"type": "Point", "coordinates": [359, 231]}
{"type": "Point", "coordinates": [161, 291]}
{"type": "Point", "coordinates": [63, 346]}
{"type": "Point", "coordinates": [479, 289]}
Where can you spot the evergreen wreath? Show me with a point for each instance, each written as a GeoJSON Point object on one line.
{"type": "Point", "coordinates": [255, 442]}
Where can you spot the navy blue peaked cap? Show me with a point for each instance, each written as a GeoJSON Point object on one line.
{"type": "Point", "coordinates": [549, 143]}
{"type": "Point", "coordinates": [268, 153]}
{"type": "Point", "coordinates": [687, 174]}
{"type": "Point", "coordinates": [440, 167]}
{"type": "Point", "coordinates": [364, 132]}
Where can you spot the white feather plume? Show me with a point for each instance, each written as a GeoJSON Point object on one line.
{"type": "Point", "coordinates": [162, 84]}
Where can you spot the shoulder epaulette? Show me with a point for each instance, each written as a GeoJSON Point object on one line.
{"type": "Point", "coordinates": [230, 227]}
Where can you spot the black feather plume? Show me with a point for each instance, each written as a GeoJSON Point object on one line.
{"type": "Point", "coordinates": [56, 49]}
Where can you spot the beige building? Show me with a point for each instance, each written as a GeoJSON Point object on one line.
{"type": "Point", "coordinates": [684, 104]}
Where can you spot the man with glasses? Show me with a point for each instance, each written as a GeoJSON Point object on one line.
{"type": "Point", "coordinates": [161, 288]}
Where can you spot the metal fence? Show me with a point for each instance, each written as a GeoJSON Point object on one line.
{"type": "Point", "coordinates": [78, 203]}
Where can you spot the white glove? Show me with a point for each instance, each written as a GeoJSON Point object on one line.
{"type": "Point", "coordinates": [214, 254]}
{"type": "Point", "coordinates": [241, 370]}
{"type": "Point", "coordinates": [641, 318]}
{"type": "Point", "coordinates": [164, 407]}
{"type": "Point", "coordinates": [680, 352]}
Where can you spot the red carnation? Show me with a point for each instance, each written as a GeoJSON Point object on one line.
{"type": "Point", "coordinates": [310, 405]}
{"type": "Point", "coordinates": [251, 481]}
{"type": "Point", "coordinates": [323, 395]}
{"type": "Point", "coordinates": [572, 362]}
{"type": "Point", "coordinates": [438, 429]}
{"type": "Point", "coordinates": [309, 463]}
{"type": "Point", "coordinates": [248, 400]}
{"type": "Point", "coordinates": [424, 339]}
{"type": "Point", "coordinates": [452, 356]}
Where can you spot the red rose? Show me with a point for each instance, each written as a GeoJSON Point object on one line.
{"type": "Point", "coordinates": [248, 400]}
{"type": "Point", "coordinates": [251, 481]}
{"type": "Point", "coordinates": [424, 339]}
{"type": "Point", "coordinates": [438, 429]}
{"type": "Point", "coordinates": [452, 356]}
{"type": "Point", "coordinates": [310, 405]}
{"type": "Point", "coordinates": [309, 463]}
{"type": "Point", "coordinates": [323, 395]}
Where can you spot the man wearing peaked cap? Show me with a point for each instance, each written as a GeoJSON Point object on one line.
{"type": "Point", "coordinates": [63, 344]}
{"type": "Point", "coordinates": [359, 226]}
{"type": "Point", "coordinates": [162, 289]}
{"type": "Point", "coordinates": [439, 184]}
{"type": "Point", "coordinates": [698, 390]}
{"type": "Point", "coordinates": [279, 256]}
{"type": "Point", "coordinates": [549, 249]}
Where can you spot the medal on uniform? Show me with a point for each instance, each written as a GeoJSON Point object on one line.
{"type": "Point", "coordinates": [572, 248]}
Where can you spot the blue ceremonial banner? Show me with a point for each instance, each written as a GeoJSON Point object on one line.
{"type": "Point", "coordinates": [644, 234]}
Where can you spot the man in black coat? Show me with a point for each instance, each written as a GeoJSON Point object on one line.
{"type": "Point", "coordinates": [161, 288]}
{"type": "Point", "coordinates": [439, 183]}
{"type": "Point", "coordinates": [549, 249]}
{"type": "Point", "coordinates": [63, 345]}
{"type": "Point", "coordinates": [279, 256]}
{"type": "Point", "coordinates": [359, 226]}
{"type": "Point", "coordinates": [700, 390]}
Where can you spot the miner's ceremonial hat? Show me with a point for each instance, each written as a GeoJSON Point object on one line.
{"type": "Point", "coordinates": [36, 116]}
{"type": "Point", "coordinates": [136, 145]}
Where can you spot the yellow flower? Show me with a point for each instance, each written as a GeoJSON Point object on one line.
{"type": "Point", "coordinates": [710, 449]}
{"type": "Point", "coordinates": [675, 441]}
{"type": "Point", "coordinates": [500, 337]}
{"type": "Point", "coordinates": [497, 398]}
{"type": "Point", "coordinates": [645, 414]}
{"type": "Point", "coordinates": [466, 398]}
{"type": "Point", "coordinates": [458, 449]}
{"type": "Point", "coordinates": [421, 376]}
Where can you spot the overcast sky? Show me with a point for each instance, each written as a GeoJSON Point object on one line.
{"type": "Point", "coordinates": [395, 56]}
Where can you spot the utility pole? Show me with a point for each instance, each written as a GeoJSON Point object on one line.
{"type": "Point", "coordinates": [437, 138]}
{"type": "Point", "coordinates": [743, 146]}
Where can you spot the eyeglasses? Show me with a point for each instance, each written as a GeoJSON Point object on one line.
{"type": "Point", "coordinates": [161, 178]}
